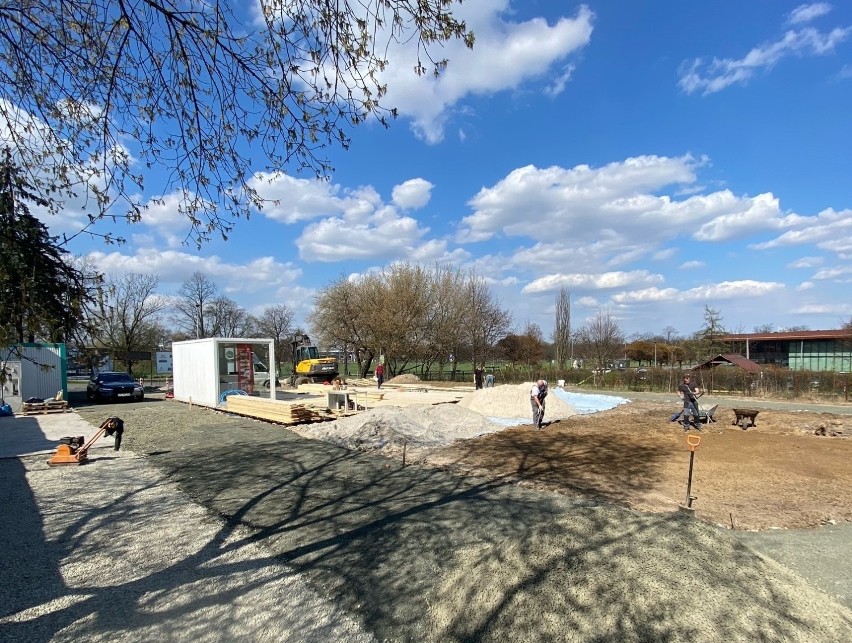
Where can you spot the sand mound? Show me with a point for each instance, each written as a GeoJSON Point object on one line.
{"type": "Point", "coordinates": [418, 427]}
{"type": "Point", "coordinates": [513, 401]}
{"type": "Point", "coordinates": [405, 378]}
{"type": "Point", "coordinates": [388, 428]}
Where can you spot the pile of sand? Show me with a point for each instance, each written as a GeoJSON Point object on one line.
{"type": "Point", "coordinates": [391, 428]}
{"type": "Point", "coordinates": [388, 428]}
{"type": "Point", "coordinates": [404, 378]}
{"type": "Point", "coordinates": [513, 401]}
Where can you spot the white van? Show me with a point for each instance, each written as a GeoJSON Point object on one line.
{"type": "Point", "coordinates": [261, 373]}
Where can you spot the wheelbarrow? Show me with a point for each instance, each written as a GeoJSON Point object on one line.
{"type": "Point", "coordinates": [745, 417]}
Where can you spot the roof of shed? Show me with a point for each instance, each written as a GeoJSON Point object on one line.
{"type": "Point", "coordinates": [733, 359]}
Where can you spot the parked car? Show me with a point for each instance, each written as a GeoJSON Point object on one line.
{"type": "Point", "coordinates": [114, 387]}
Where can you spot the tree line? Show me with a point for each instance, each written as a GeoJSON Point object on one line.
{"type": "Point", "coordinates": [420, 320]}
{"type": "Point", "coordinates": [428, 320]}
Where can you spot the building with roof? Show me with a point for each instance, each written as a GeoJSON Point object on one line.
{"type": "Point", "coordinates": [801, 350]}
{"type": "Point", "coordinates": [730, 359]}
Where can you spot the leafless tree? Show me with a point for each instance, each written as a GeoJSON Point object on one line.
{"type": "Point", "coordinates": [130, 317]}
{"type": "Point", "coordinates": [228, 319]}
{"type": "Point", "coordinates": [603, 338]}
{"type": "Point", "coordinates": [410, 314]}
{"type": "Point", "coordinates": [195, 296]}
{"type": "Point", "coordinates": [337, 321]}
{"type": "Point", "coordinates": [707, 340]}
{"type": "Point", "coordinates": [276, 322]}
{"type": "Point", "coordinates": [487, 322]}
{"type": "Point", "coordinates": [448, 318]}
{"type": "Point", "coordinates": [533, 347]}
{"type": "Point", "coordinates": [202, 89]}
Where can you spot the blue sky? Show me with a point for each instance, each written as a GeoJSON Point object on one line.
{"type": "Point", "coordinates": [651, 157]}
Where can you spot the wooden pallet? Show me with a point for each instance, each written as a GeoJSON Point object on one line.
{"type": "Point", "coordinates": [40, 408]}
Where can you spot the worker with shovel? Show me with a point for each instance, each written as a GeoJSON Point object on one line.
{"type": "Point", "coordinates": [537, 395]}
{"type": "Point", "coordinates": [690, 392]}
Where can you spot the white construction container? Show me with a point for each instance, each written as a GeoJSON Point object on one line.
{"type": "Point", "coordinates": [34, 370]}
{"type": "Point", "coordinates": [205, 370]}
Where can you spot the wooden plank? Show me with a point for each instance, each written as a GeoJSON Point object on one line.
{"type": "Point", "coordinates": [275, 410]}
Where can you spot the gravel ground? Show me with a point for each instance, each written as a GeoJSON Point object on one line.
{"type": "Point", "coordinates": [233, 529]}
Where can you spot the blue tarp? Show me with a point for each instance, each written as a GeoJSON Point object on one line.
{"type": "Point", "coordinates": [587, 403]}
{"type": "Point", "coordinates": [584, 403]}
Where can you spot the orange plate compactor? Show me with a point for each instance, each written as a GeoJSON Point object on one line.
{"type": "Point", "coordinates": [75, 450]}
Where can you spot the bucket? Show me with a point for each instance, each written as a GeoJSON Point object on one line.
{"type": "Point", "coordinates": [560, 383]}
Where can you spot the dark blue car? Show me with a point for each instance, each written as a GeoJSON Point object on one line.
{"type": "Point", "coordinates": [114, 387]}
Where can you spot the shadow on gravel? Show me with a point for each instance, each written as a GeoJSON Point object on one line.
{"type": "Point", "coordinates": [30, 573]}
{"type": "Point", "coordinates": [420, 554]}
{"type": "Point", "coordinates": [115, 585]}
{"type": "Point", "coordinates": [594, 465]}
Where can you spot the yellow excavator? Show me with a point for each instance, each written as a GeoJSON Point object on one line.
{"type": "Point", "coordinates": [308, 366]}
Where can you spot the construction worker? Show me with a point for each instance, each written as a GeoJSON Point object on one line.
{"type": "Point", "coordinates": [689, 393]}
{"type": "Point", "coordinates": [537, 395]}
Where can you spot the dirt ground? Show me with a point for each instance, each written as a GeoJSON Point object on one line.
{"type": "Point", "coordinates": [781, 473]}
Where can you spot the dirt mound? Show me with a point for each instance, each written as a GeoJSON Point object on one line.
{"type": "Point", "coordinates": [405, 378]}
{"type": "Point", "coordinates": [513, 401]}
{"type": "Point", "coordinates": [387, 429]}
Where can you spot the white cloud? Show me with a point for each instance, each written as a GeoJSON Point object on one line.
{"type": "Point", "coordinates": [599, 281]}
{"type": "Point", "coordinates": [588, 302]}
{"type": "Point", "coordinates": [699, 75]}
{"type": "Point", "coordinates": [744, 289]}
{"type": "Point", "coordinates": [558, 84]}
{"type": "Point", "coordinates": [646, 295]}
{"type": "Point", "coordinates": [733, 289]}
{"type": "Point", "coordinates": [506, 56]}
{"type": "Point", "coordinates": [806, 262]}
{"type": "Point", "coordinates": [829, 230]}
{"type": "Point", "coordinates": [842, 273]}
{"type": "Point", "coordinates": [174, 267]}
{"type": "Point", "coordinates": [413, 194]}
{"type": "Point", "coordinates": [841, 309]}
{"type": "Point", "coordinates": [692, 265]}
{"type": "Point", "coordinates": [436, 251]}
{"type": "Point", "coordinates": [805, 285]}
{"type": "Point", "coordinates": [588, 218]}
{"type": "Point", "coordinates": [566, 199]}
{"type": "Point", "coordinates": [807, 12]}
{"type": "Point", "coordinates": [291, 199]}
{"type": "Point", "coordinates": [333, 240]}
{"type": "Point", "coordinates": [747, 215]}
{"type": "Point", "coordinates": [354, 223]}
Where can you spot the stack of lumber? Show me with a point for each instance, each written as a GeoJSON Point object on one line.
{"type": "Point", "coordinates": [48, 406]}
{"type": "Point", "coordinates": [275, 410]}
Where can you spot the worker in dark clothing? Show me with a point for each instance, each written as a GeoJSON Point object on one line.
{"type": "Point", "coordinates": [478, 373]}
{"type": "Point", "coordinates": [115, 426]}
{"type": "Point", "coordinates": [689, 393]}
